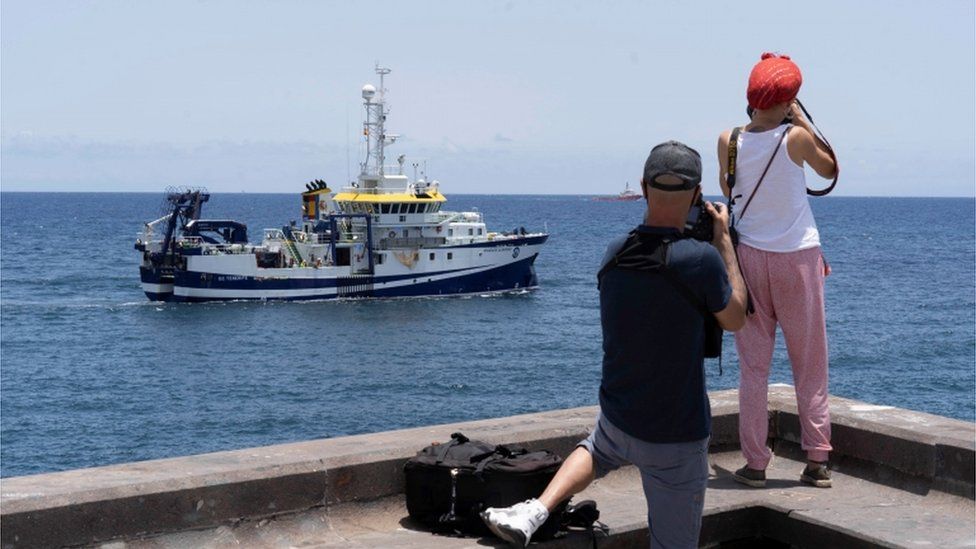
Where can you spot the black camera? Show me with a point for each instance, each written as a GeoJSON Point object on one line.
{"type": "Point", "coordinates": [699, 224]}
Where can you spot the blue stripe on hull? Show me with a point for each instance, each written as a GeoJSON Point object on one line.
{"type": "Point", "coordinates": [194, 279]}
{"type": "Point", "coordinates": [519, 274]}
{"type": "Point", "coordinates": [161, 275]}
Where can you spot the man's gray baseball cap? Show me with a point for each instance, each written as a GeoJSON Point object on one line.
{"type": "Point", "coordinates": [673, 158]}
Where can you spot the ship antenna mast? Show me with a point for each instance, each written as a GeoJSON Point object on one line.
{"type": "Point", "coordinates": [374, 131]}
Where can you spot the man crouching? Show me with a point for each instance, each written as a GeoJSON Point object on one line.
{"type": "Point", "coordinates": [655, 285]}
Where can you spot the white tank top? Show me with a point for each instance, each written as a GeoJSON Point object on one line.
{"type": "Point", "coordinates": [779, 218]}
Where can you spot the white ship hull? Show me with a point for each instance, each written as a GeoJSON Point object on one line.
{"type": "Point", "coordinates": [475, 268]}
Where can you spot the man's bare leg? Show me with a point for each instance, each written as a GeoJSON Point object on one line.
{"type": "Point", "coordinates": [517, 524]}
{"type": "Point", "coordinates": [576, 473]}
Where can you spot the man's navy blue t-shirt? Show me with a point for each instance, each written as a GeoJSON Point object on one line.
{"type": "Point", "coordinates": [653, 385]}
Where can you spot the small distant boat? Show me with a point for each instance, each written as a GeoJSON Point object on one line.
{"type": "Point", "coordinates": [626, 195]}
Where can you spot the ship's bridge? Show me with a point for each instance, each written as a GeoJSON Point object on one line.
{"type": "Point", "coordinates": [389, 203]}
{"type": "Point", "coordinates": [395, 196]}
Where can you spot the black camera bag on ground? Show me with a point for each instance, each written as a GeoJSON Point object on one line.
{"type": "Point", "coordinates": [449, 484]}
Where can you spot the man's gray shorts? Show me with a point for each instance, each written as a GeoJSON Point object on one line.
{"type": "Point", "coordinates": [674, 477]}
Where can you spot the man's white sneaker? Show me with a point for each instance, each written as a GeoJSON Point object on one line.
{"type": "Point", "coordinates": [517, 523]}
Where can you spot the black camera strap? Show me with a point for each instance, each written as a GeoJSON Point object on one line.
{"type": "Point", "coordinates": [730, 170]}
{"type": "Point", "coordinates": [730, 182]}
{"type": "Point", "coordinates": [830, 151]}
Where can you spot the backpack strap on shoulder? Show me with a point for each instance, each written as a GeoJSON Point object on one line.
{"type": "Point", "coordinates": [631, 244]}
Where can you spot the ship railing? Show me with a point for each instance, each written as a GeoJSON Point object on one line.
{"type": "Point", "coordinates": [444, 217]}
{"type": "Point", "coordinates": [463, 217]}
{"type": "Point", "coordinates": [410, 242]}
{"type": "Point", "coordinates": [190, 242]}
{"type": "Point", "coordinates": [227, 249]}
{"type": "Point", "coordinates": [273, 234]}
{"type": "Point", "coordinates": [319, 238]}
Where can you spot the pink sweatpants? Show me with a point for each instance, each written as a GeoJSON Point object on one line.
{"type": "Point", "coordinates": [786, 288]}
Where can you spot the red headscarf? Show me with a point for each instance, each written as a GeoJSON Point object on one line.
{"type": "Point", "coordinates": [773, 80]}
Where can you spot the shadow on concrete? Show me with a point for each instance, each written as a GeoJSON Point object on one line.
{"type": "Point", "coordinates": [724, 481]}
{"type": "Point", "coordinates": [876, 473]}
{"type": "Point", "coordinates": [408, 523]}
{"type": "Point", "coordinates": [761, 526]}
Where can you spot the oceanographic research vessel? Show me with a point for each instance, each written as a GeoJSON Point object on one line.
{"type": "Point", "coordinates": [382, 236]}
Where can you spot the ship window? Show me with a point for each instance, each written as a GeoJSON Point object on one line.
{"type": "Point", "coordinates": [413, 209]}
{"type": "Point", "coordinates": [384, 208]}
{"type": "Point", "coordinates": [403, 219]}
{"type": "Point", "coordinates": [394, 208]}
{"type": "Point", "coordinates": [406, 233]}
{"type": "Point", "coordinates": [479, 231]}
{"type": "Point", "coordinates": [450, 232]}
{"type": "Point", "coordinates": [432, 256]}
{"type": "Point", "coordinates": [450, 255]}
{"type": "Point", "coordinates": [369, 207]}
{"type": "Point", "coordinates": [379, 259]}
{"type": "Point", "coordinates": [470, 232]}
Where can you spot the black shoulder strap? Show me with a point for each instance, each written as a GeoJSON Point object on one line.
{"type": "Point", "coordinates": [631, 244]}
{"type": "Point", "coordinates": [685, 292]}
{"type": "Point", "coordinates": [456, 439]}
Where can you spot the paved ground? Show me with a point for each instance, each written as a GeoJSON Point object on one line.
{"type": "Point", "coordinates": [911, 516]}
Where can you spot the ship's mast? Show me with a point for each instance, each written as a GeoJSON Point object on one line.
{"type": "Point", "coordinates": [374, 131]}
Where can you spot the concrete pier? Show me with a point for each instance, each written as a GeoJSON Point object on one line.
{"type": "Point", "coordinates": [901, 479]}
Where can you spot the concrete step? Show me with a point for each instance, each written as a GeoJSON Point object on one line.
{"type": "Point", "coordinates": [858, 510]}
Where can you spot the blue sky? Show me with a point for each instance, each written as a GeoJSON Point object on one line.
{"type": "Point", "coordinates": [499, 97]}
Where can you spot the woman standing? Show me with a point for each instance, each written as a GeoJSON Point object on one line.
{"type": "Point", "coordinates": [779, 253]}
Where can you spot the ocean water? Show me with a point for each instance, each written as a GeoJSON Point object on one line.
{"type": "Point", "coordinates": [92, 373]}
